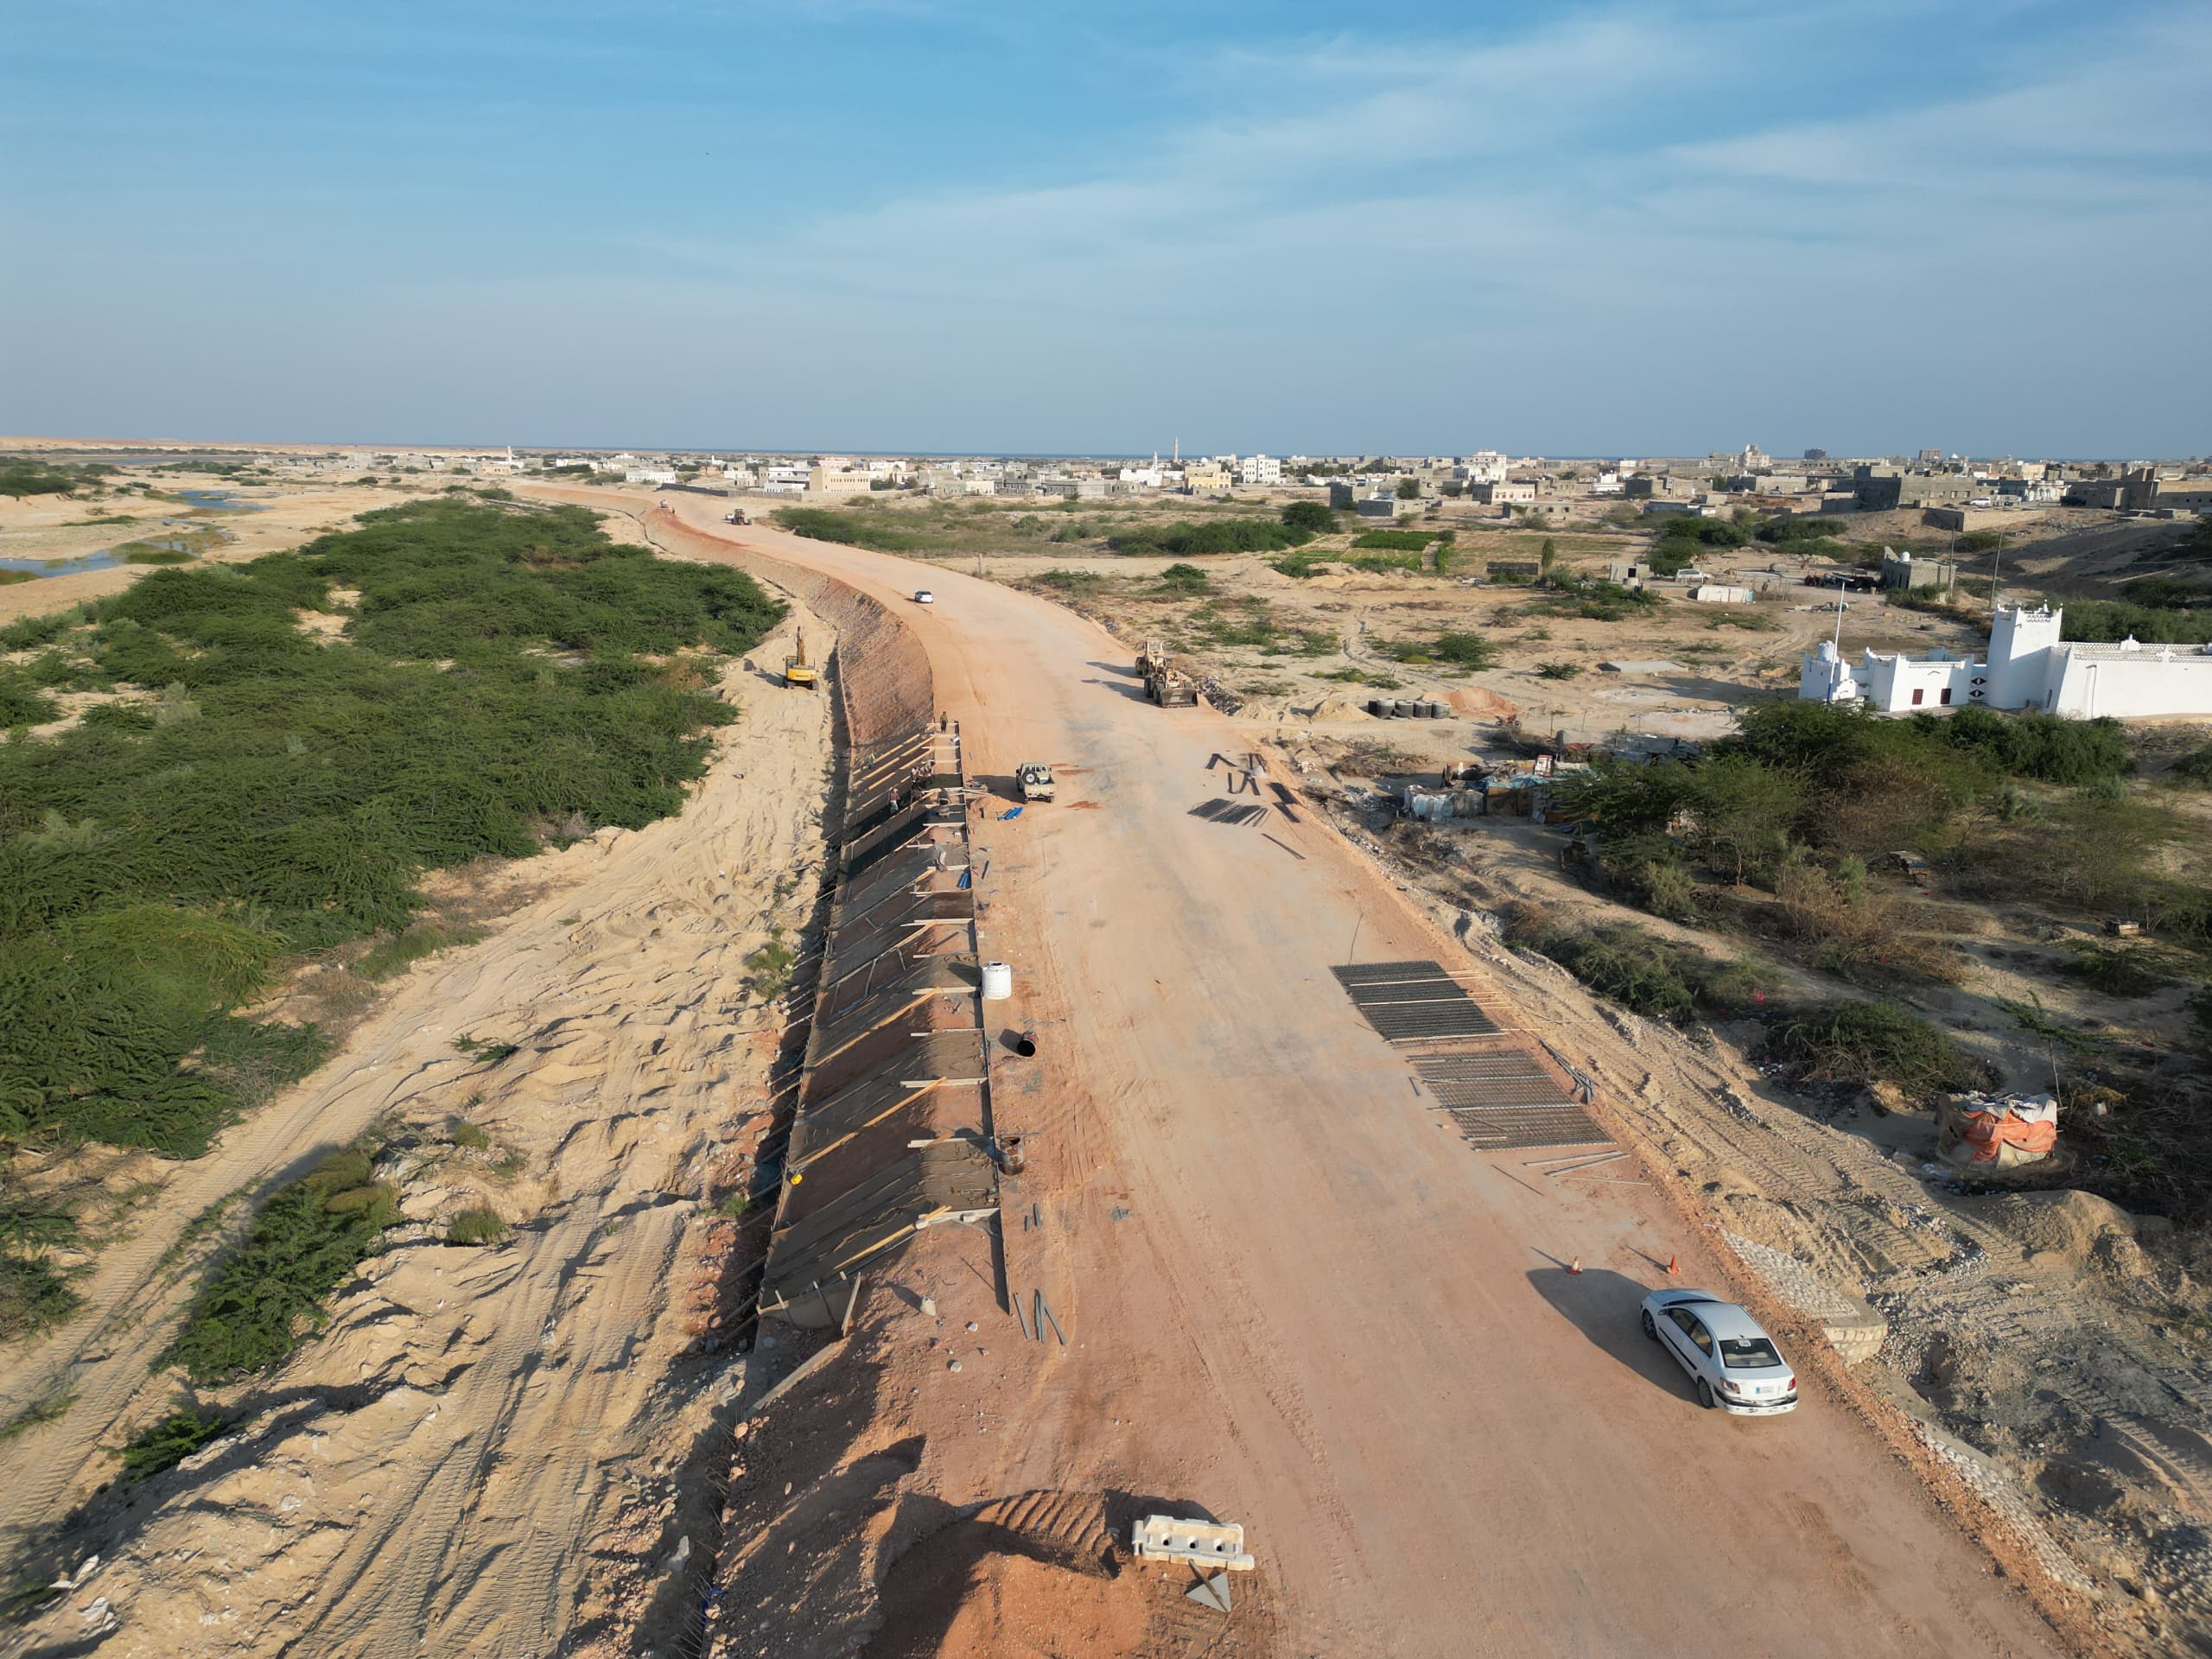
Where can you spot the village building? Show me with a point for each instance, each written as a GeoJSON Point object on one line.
{"type": "Point", "coordinates": [2028, 666]}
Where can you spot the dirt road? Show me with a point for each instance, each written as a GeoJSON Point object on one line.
{"type": "Point", "coordinates": [1295, 1296]}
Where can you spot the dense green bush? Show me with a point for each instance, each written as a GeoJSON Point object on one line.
{"type": "Point", "coordinates": [2111, 619]}
{"type": "Point", "coordinates": [481, 1225]}
{"type": "Point", "coordinates": [170, 1441]}
{"type": "Point", "coordinates": [1684, 527]}
{"type": "Point", "coordinates": [1184, 540]}
{"type": "Point", "coordinates": [1312, 517]}
{"type": "Point", "coordinates": [1184, 579]}
{"type": "Point", "coordinates": [33, 1295]}
{"type": "Point", "coordinates": [284, 794]}
{"type": "Point", "coordinates": [1732, 810]}
{"type": "Point", "coordinates": [21, 701]}
{"type": "Point", "coordinates": [21, 478]}
{"type": "Point", "coordinates": [1831, 743]}
{"type": "Point", "coordinates": [852, 528]}
{"type": "Point", "coordinates": [1402, 541]}
{"type": "Point", "coordinates": [1469, 651]}
{"type": "Point", "coordinates": [268, 1294]}
{"type": "Point", "coordinates": [1878, 1042]}
{"type": "Point", "coordinates": [1596, 601]}
{"type": "Point", "coordinates": [26, 633]}
{"type": "Point", "coordinates": [2042, 746]}
{"type": "Point", "coordinates": [1835, 776]}
{"type": "Point", "coordinates": [1657, 978]}
{"type": "Point", "coordinates": [1796, 528]}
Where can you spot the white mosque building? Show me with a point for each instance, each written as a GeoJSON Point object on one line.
{"type": "Point", "coordinates": [2029, 666]}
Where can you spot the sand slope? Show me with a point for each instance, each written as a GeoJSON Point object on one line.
{"type": "Point", "coordinates": [479, 1429]}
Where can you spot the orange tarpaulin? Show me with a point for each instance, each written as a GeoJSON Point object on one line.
{"type": "Point", "coordinates": [2033, 1129]}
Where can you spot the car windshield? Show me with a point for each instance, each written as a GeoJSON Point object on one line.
{"type": "Point", "coordinates": [1748, 1353]}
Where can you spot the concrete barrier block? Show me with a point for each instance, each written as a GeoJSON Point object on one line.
{"type": "Point", "coordinates": [1202, 1543]}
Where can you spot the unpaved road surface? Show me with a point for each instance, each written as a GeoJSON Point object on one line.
{"type": "Point", "coordinates": [1293, 1297]}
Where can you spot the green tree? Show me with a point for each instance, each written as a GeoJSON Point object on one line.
{"type": "Point", "coordinates": [1744, 811]}
{"type": "Point", "coordinates": [1315, 517]}
{"type": "Point", "coordinates": [1409, 489]}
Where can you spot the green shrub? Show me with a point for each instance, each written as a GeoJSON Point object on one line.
{"type": "Point", "coordinates": [268, 1294]}
{"type": "Point", "coordinates": [471, 1135]}
{"type": "Point", "coordinates": [1655, 977]}
{"type": "Point", "coordinates": [1362, 677]}
{"type": "Point", "coordinates": [2116, 972]}
{"type": "Point", "coordinates": [170, 1441]}
{"type": "Point", "coordinates": [21, 701]}
{"type": "Point", "coordinates": [1184, 541]}
{"type": "Point", "coordinates": [2110, 620]}
{"type": "Point", "coordinates": [1402, 541]}
{"type": "Point", "coordinates": [2038, 746]}
{"type": "Point", "coordinates": [1558, 670]}
{"type": "Point", "coordinates": [1596, 601]}
{"type": "Point", "coordinates": [849, 527]}
{"type": "Point", "coordinates": [26, 633]}
{"type": "Point", "coordinates": [481, 1225]}
{"type": "Point", "coordinates": [23, 478]}
{"type": "Point", "coordinates": [1878, 1042]}
{"type": "Point", "coordinates": [400, 952]}
{"type": "Point", "coordinates": [33, 1294]}
{"type": "Point", "coordinates": [2195, 768]}
{"type": "Point", "coordinates": [771, 965]}
{"type": "Point", "coordinates": [1462, 650]}
{"type": "Point", "coordinates": [485, 1053]}
{"type": "Point", "coordinates": [1795, 530]}
{"type": "Point", "coordinates": [284, 795]}
{"type": "Point", "coordinates": [1466, 650]}
{"type": "Point", "coordinates": [1313, 518]}
{"type": "Point", "coordinates": [1184, 579]}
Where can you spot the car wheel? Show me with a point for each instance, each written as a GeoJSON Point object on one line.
{"type": "Point", "coordinates": [1650, 1329]}
{"type": "Point", "coordinates": [1704, 1394]}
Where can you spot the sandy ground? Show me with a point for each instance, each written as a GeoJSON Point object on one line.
{"type": "Point", "coordinates": [2036, 1347]}
{"type": "Point", "coordinates": [1688, 665]}
{"type": "Point", "coordinates": [488, 1450]}
{"type": "Point", "coordinates": [1291, 1297]}
{"type": "Point", "coordinates": [46, 527]}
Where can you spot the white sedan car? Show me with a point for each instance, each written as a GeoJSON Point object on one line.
{"type": "Point", "coordinates": [923, 596]}
{"type": "Point", "coordinates": [1734, 1364]}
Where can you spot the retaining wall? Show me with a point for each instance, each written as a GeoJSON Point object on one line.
{"type": "Point", "coordinates": [891, 1132]}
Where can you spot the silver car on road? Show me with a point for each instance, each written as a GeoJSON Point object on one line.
{"type": "Point", "coordinates": [1734, 1364]}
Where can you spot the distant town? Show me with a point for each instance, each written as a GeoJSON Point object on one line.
{"type": "Point", "coordinates": [1957, 493]}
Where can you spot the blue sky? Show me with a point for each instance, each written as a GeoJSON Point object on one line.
{"type": "Point", "coordinates": [882, 224]}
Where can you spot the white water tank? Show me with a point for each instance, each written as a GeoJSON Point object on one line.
{"type": "Point", "coordinates": [998, 981]}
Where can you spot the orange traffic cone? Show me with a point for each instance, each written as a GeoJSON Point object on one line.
{"type": "Point", "coordinates": [1577, 1268]}
{"type": "Point", "coordinates": [1673, 1266]}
